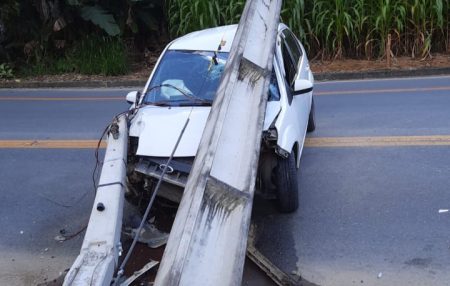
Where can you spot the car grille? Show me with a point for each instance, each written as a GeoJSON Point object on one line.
{"type": "Point", "coordinates": [177, 171]}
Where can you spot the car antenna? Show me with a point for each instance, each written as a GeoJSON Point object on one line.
{"type": "Point", "coordinates": [219, 48]}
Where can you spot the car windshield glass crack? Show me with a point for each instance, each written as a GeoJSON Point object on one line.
{"type": "Point", "coordinates": [184, 74]}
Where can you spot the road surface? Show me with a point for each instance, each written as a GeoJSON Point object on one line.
{"type": "Point", "coordinates": [369, 213]}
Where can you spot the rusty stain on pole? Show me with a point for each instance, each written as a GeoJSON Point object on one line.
{"type": "Point", "coordinates": [207, 244]}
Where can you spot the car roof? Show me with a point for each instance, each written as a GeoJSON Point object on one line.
{"type": "Point", "coordinates": [208, 39]}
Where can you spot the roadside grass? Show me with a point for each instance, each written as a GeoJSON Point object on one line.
{"type": "Point", "coordinates": [93, 55]}
{"type": "Point", "coordinates": [337, 28]}
{"type": "Point", "coordinates": [100, 55]}
{"type": "Point", "coordinates": [329, 30]}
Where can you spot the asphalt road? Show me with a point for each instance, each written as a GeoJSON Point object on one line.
{"type": "Point", "coordinates": [368, 215]}
{"type": "Point", "coordinates": [47, 190]}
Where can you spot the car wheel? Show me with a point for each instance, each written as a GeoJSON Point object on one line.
{"type": "Point", "coordinates": [312, 118]}
{"type": "Point", "coordinates": [287, 184]}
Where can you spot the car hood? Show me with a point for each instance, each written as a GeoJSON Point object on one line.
{"type": "Point", "coordinates": [158, 128]}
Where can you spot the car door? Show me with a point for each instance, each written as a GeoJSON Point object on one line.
{"type": "Point", "coordinates": [296, 113]}
{"type": "Point", "coordinates": [293, 54]}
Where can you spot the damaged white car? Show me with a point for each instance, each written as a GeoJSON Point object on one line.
{"type": "Point", "coordinates": [183, 84]}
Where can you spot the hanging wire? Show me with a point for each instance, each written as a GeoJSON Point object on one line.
{"type": "Point", "coordinates": [149, 206]}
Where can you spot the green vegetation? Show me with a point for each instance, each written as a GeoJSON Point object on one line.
{"type": "Point", "coordinates": [5, 71]}
{"type": "Point", "coordinates": [91, 55]}
{"type": "Point", "coordinates": [86, 36]}
{"type": "Point", "coordinates": [96, 55]}
{"type": "Point", "coordinates": [99, 36]}
{"type": "Point", "coordinates": [185, 16]}
{"type": "Point", "coordinates": [336, 28]}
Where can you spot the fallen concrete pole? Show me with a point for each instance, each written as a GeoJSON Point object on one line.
{"type": "Point", "coordinates": [264, 264]}
{"type": "Point", "coordinates": [101, 247]}
{"type": "Point", "coordinates": [207, 244]}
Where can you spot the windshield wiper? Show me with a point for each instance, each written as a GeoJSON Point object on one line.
{"type": "Point", "coordinates": [158, 103]}
{"type": "Point", "coordinates": [199, 103]}
{"type": "Point", "coordinates": [178, 103]}
{"type": "Point", "coordinates": [183, 92]}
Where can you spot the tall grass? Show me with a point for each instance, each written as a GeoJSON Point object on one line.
{"type": "Point", "coordinates": [336, 28]}
{"type": "Point", "coordinates": [427, 21]}
{"type": "Point", "coordinates": [187, 15]}
{"type": "Point", "coordinates": [91, 55]}
{"type": "Point", "coordinates": [99, 55]}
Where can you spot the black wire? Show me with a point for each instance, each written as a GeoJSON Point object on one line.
{"type": "Point", "coordinates": [97, 161]}
{"type": "Point", "coordinates": [149, 206]}
{"type": "Point", "coordinates": [116, 118]}
{"type": "Point", "coordinates": [105, 131]}
{"type": "Point", "coordinates": [70, 236]}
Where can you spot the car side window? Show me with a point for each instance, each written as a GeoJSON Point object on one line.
{"type": "Point", "coordinates": [274, 90]}
{"type": "Point", "coordinates": [290, 67]}
{"type": "Point", "coordinates": [294, 47]}
{"type": "Point", "coordinates": [292, 54]}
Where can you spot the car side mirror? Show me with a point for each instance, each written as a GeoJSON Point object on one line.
{"type": "Point", "coordinates": [302, 86]}
{"type": "Point", "coordinates": [133, 96]}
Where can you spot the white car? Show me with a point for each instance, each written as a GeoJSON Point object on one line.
{"type": "Point", "coordinates": [183, 84]}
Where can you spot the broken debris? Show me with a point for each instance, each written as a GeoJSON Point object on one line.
{"type": "Point", "coordinates": [138, 273]}
{"type": "Point", "coordinates": [150, 235]}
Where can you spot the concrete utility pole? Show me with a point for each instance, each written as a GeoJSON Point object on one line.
{"type": "Point", "coordinates": [101, 247]}
{"type": "Point", "coordinates": [208, 240]}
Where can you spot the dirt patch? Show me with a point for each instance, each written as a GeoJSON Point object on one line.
{"type": "Point", "coordinates": [401, 63]}
{"type": "Point", "coordinates": [142, 72]}
{"type": "Point", "coordinates": [138, 74]}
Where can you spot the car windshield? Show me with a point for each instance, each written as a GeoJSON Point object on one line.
{"type": "Point", "coordinates": [191, 78]}
{"type": "Point", "coordinates": [186, 78]}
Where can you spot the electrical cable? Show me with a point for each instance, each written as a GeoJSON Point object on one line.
{"type": "Point", "coordinates": [97, 161]}
{"type": "Point", "coordinates": [70, 236]}
{"type": "Point", "coordinates": [116, 118]}
{"type": "Point", "coordinates": [150, 204]}
{"type": "Point", "coordinates": [105, 131]}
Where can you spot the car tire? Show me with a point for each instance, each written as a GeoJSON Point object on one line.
{"type": "Point", "coordinates": [287, 184]}
{"type": "Point", "coordinates": [312, 118]}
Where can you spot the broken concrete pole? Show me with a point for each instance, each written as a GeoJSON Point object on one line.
{"type": "Point", "coordinates": [101, 247]}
